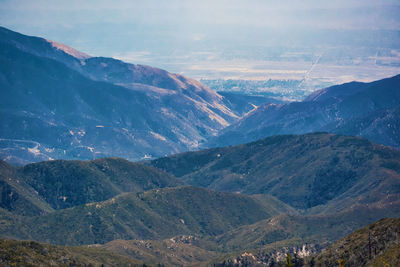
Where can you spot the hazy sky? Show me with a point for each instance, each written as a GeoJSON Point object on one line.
{"type": "Point", "coordinates": [78, 19]}
{"type": "Point", "coordinates": [157, 31]}
{"type": "Point", "coordinates": [312, 13]}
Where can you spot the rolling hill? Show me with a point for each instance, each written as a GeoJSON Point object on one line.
{"type": "Point", "coordinates": [373, 245]}
{"type": "Point", "coordinates": [319, 230]}
{"type": "Point", "coordinates": [17, 196]}
{"type": "Point", "coordinates": [292, 193]}
{"type": "Point", "coordinates": [317, 172]}
{"type": "Point", "coordinates": [62, 184]}
{"type": "Point", "coordinates": [183, 250]}
{"type": "Point", "coordinates": [154, 214]}
{"type": "Point", "coordinates": [30, 253]}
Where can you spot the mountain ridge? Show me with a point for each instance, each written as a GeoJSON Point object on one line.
{"type": "Point", "coordinates": [324, 110]}
{"type": "Point", "coordinates": [61, 184]}
{"type": "Point", "coordinates": [155, 214]}
{"type": "Point", "coordinates": [44, 87]}
{"type": "Point", "coordinates": [304, 171]}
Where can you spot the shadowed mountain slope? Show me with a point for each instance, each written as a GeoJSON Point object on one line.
{"type": "Point", "coordinates": [334, 109]}
{"type": "Point", "coordinates": [58, 103]}
{"type": "Point", "coordinates": [155, 214]}
{"type": "Point", "coordinates": [17, 196]}
{"type": "Point", "coordinates": [62, 184]}
{"type": "Point", "coordinates": [30, 253]}
{"type": "Point", "coordinates": [322, 171]}
{"type": "Point", "coordinates": [243, 104]}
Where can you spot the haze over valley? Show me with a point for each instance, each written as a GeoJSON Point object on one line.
{"type": "Point", "coordinates": [316, 43]}
{"type": "Point", "coordinates": [214, 133]}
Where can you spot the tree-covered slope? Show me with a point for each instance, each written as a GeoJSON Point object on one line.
{"type": "Point", "coordinates": [31, 253]}
{"type": "Point", "coordinates": [304, 171]}
{"type": "Point", "coordinates": [17, 196]}
{"type": "Point", "coordinates": [155, 214]}
{"type": "Point", "coordinates": [373, 245]}
{"type": "Point", "coordinates": [183, 250]}
{"type": "Point", "coordinates": [65, 184]}
{"type": "Point", "coordinates": [62, 184]}
{"type": "Point", "coordinates": [382, 126]}
{"type": "Point", "coordinates": [282, 230]}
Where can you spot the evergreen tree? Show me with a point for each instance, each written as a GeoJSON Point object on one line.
{"type": "Point", "coordinates": [288, 262]}
{"type": "Point", "coordinates": [272, 262]}
{"type": "Point", "coordinates": [312, 262]}
{"type": "Point", "coordinates": [298, 262]}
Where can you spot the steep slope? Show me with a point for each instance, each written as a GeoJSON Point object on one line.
{"type": "Point", "coordinates": [113, 70]}
{"type": "Point", "coordinates": [42, 187]}
{"type": "Point", "coordinates": [369, 246]}
{"type": "Point", "coordinates": [30, 253]}
{"type": "Point", "coordinates": [130, 75]}
{"type": "Point", "coordinates": [325, 110]}
{"type": "Point", "coordinates": [155, 214]}
{"type": "Point", "coordinates": [54, 108]}
{"type": "Point", "coordinates": [382, 126]}
{"type": "Point", "coordinates": [243, 104]}
{"type": "Point", "coordinates": [184, 250]}
{"type": "Point", "coordinates": [389, 256]}
{"type": "Point", "coordinates": [63, 184]}
{"type": "Point", "coordinates": [17, 196]}
{"type": "Point", "coordinates": [319, 171]}
{"type": "Point", "coordinates": [56, 105]}
{"type": "Point", "coordinates": [373, 244]}
{"type": "Point", "coordinates": [319, 230]}
{"type": "Point", "coordinates": [43, 48]}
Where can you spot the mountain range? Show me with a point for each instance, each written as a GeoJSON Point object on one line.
{"type": "Point", "coordinates": [361, 109]}
{"type": "Point", "coordinates": [273, 179]}
{"type": "Point", "coordinates": [58, 102]}
{"type": "Point", "coordinates": [74, 202]}
{"type": "Point", "coordinates": [373, 245]}
{"type": "Point", "coordinates": [312, 171]}
{"type": "Point", "coordinates": [60, 184]}
{"type": "Point", "coordinates": [143, 211]}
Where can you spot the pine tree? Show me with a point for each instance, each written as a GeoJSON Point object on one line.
{"type": "Point", "coordinates": [288, 262]}
{"type": "Point", "coordinates": [312, 262]}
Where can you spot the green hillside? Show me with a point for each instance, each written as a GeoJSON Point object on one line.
{"type": "Point", "coordinates": [63, 184]}
{"type": "Point", "coordinates": [304, 171]}
{"type": "Point", "coordinates": [373, 244]}
{"type": "Point", "coordinates": [181, 250]}
{"type": "Point", "coordinates": [155, 214]}
{"type": "Point", "coordinates": [31, 253]}
{"type": "Point", "coordinates": [17, 196]}
{"type": "Point", "coordinates": [317, 229]}
{"type": "Point", "coordinates": [288, 194]}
